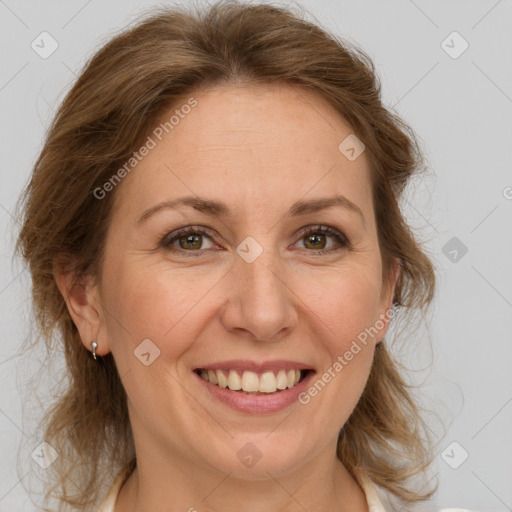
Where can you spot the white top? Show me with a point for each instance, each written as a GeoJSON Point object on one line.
{"type": "Point", "coordinates": [370, 491]}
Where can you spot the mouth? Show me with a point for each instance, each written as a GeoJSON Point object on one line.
{"type": "Point", "coordinates": [256, 383]}
{"type": "Point", "coordinates": [252, 387]}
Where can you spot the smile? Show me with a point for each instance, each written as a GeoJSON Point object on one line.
{"type": "Point", "coordinates": [252, 383]}
{"type": "Point", "coordinates": [254, 388]}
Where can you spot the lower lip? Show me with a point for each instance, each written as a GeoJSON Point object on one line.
{"type": "Point", "coordinates": [257, 404]}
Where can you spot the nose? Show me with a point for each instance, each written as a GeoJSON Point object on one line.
{"type": "Point", "coordinates": [260, 301]}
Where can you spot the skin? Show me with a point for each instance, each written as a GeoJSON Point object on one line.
{"type": "Point", "coordinates": [258, 149]}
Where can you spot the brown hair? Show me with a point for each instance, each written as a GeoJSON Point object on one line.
{"type": "Point", "coordinates": [107, 115]}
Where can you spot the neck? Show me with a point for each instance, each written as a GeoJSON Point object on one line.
{"type": "Point", "coordinates": [163, 484]}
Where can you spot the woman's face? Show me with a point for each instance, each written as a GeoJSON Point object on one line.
{"type": "Point", "coordinates": [235, 283]}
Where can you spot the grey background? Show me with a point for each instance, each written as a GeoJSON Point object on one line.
{"type": "Point", "coordinates": [462, 110]}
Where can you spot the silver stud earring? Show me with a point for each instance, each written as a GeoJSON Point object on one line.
{"type": "Point", "coordinates": [94, 346]}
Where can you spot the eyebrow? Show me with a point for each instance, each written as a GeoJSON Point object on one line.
{"type": "Point", "coordinates": [218, 209]}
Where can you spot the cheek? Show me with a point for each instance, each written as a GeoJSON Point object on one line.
{"type": "Point", "coordinates": [154, 302]}
{"type": "Point", "coordinates": [347, 311]}
{"type": "Point", "coordinates": [148, 302]}
{"type": "Point", "coordinates": [347, 302]}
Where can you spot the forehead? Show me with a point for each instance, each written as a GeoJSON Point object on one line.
{"type": "Point", "coordinates": [252, 145]}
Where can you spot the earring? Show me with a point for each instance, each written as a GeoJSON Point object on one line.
{"type": "Point", "coordinates": [94, 346]}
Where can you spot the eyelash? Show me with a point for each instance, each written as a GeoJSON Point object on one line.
{"type": "Point", "coordinates": [341, 239]}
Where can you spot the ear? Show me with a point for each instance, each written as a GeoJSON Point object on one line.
{"type": "Point", "coordinates": [387, 295]}
{"type": "Point", "coordinates": [82, 300]}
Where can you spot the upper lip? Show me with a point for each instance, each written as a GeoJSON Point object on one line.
{"type": "Point", "coordinates": [242, 365]}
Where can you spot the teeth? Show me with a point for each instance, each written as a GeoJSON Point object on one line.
{"type": "Point", "coordinates": [250, 382]}
{"type": "Point", "coordinates": [267, 383]}
{"type": "Point", "coordinates": [291, 378]}
{"type": "Point", "coordinates": [212, 377]}
{"type": "Point", "coordinates": [222, 381]}
{"type": "Point", "coordinates": [234, 381]}
{"type": "Point", "coordinates": [282, 380]}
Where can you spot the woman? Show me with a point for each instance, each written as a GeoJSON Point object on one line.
{"type": "Point", "coordinates": [213, 227]}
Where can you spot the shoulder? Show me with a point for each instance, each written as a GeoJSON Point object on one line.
{"type": "Point", "coordinates": [373, 499]}
{"type": "Point", "coordinates": [381, 500]}
{"type": "Point", "coordinates": [109, 501]}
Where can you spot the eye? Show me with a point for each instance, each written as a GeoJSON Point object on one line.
{"type": "Point", "coordinates": [316, 238]}
{"type": "Point", "coordinates": [190, 239]}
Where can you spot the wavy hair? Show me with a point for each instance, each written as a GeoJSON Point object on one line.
{"type": "Point", "coordinates": [107, 114]}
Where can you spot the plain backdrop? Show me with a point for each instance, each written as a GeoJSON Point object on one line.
{"type": "Point", "coordinates": [445, 68]}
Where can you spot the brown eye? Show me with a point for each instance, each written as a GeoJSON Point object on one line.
{"type": "Point", "coordinates": [193, 241]}
{"type": "Point", "coordinates": [188, 240]}
{"type": "Point", "coordinates": [315, 241]}
{"type": "Point", "coordinates": [317, 238]}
